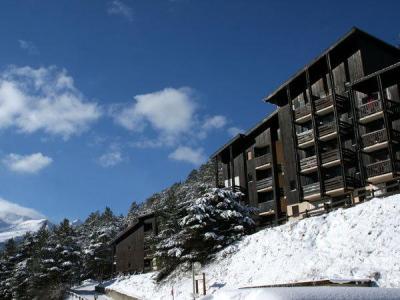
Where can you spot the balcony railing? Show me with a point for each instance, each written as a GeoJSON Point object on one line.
{"type": "Point", "coordinates": [369, 108]}
{"type": "Point", "coordinates": [311, 189]}
{"type": "Point", "coordinates": [264, 183]}
{"type": "Point", "coordinates": [333, 183]}
{"type": "Point", "coordinates": [302, 111]}
{"type": "Point", "coordinates": [262, 160]}
{"type": "Point", "coordinates": [329, 128]}
{"type": "Point", "coordinates": [375, 137]}
{"type": "Point", "coordinates": [334, 155]}
{"type": "Point", "coordinates": [266, 206]}
{"type": "Point", "coordinates": [308, 163]}
{"type": "Point", "coordinates": [337, 182]}
{"type": "Point", "coordinates": [326, 101]}
{"type": "Point", "coordinates": [323, 102]}
{"type": "Point", "coordinates": [304, 137]}
{"type": "Point", "coordinates": [326, 129]}
{"type": "Point", "coordinates": [379, 168]}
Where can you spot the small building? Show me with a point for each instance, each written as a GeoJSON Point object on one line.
{"type": "Point", "coordinates": [132, 253]}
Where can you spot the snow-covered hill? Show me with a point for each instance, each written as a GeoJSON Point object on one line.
{"type": "Point", "coordinates": [16, 220]}
{"type": "Point", "coordinates": [360, 242]}
{"type": "Point", "coordinates": [18, 230]}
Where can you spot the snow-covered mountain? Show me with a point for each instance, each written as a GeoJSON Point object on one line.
{"type": "Point", "coordinates": [360, 242]}
{"type": "Point", "coordinates": [16, 220]}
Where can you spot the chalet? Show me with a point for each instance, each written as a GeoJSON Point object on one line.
{"type": "Point", "coordinates": [334, 134]}
{"type": "Point", "coordinates": [131, 250]}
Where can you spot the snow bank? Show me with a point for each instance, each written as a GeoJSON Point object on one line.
{"type": "Point", "coordinates": [308, 293]}
{"type": "Point", "coordinates": [360, 242]}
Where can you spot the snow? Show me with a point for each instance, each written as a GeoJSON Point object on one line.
{"type": "Point", "coordinates": [359, 242]}
{"type": "Point", "coordinates": [86, 291]}
{"type": "Point", "coordinates": [308, 293]}
{"type": "Point", "coordinates": [20, 229]}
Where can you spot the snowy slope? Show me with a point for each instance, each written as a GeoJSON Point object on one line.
{"type": "Point", "coordinates": [19, 229]}
{"type": "Point", "coordinates": [16, 220]}
{"type": "Point", "coordinates": [360, 242]}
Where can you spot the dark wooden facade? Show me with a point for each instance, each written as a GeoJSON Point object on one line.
{"type": "Point", "coordinates": [341, 108]}
{"type": "Point", "coordinates": [131, 252]}
{"type": "Point", "coordinates": [253, 163]}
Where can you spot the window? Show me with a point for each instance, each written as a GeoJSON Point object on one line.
{"type": "Point", "coordinates": [295, 210]}
{"type": "Point", "coordinates": [292, 184]}
{"type": "Point", "coordinates": [249, 155]}
{"type": "Point", "coordinates": [260, 151]}
{"type": "Point", "coordinates": [148, 227]}
{"type": "Point", "coordinates": [250, 177]}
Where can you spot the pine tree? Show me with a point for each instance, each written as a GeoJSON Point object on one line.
{"type": "Point", "coordinates": [100, 230]}
{"type": "Point", "coordinates": [133, 213]}
{"type": "Point", "coordinates": [166, 244]}
{"type": "Point", "coordinates": [214, 221]}
{"type": "Point", "coordinates": [22, 272]}
{"type": "Point", "coordinates": [7, 262]}
{"type": "Point", "coordinates": [193, 230]}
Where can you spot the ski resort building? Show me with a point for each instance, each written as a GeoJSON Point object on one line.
{"type": "Point", "coordinates": [334, 135]}
{"type": "Point", "coordinates": [131, 250]}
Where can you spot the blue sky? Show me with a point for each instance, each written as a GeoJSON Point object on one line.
{"type": "Point", "coordinates": [106, 102]}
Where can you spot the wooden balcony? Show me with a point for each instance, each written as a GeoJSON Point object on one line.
{"type": "Point", "coordinates": [264, 185]}
{"type": "Point", "coordinates": [336, 186]}
{"type": "Point", "coordinates": [332, 157]}
{"type": "Point", "coordinates": [324, 105]}
{"type": "Point", "coordinates": [263, 161]}
{"type": "Point", "coordinates": [381, 171]}
{"type": "Point", "coordinates": [375, 140]}
{"type": "Point", "coordinates": [373, 110]}
{"type": "Point", "coordinates": [303, 113]}
{"type": "Point", "coordinates": [370, 111]}
{"type": "Point", "coordinates": [267, 207]}
{"type": "Point", "coordinates": [329, 130]}
{"type": "Point", "coordinates": [311, 191]}
{"type": "Point", "coordinates": [305, 139]}
{"type": "Point", "coordinates": [308, 165]}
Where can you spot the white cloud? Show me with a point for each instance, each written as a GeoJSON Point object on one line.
{"type": "Point", "coordinates": [233, 131]}
{"type": "Point", "coordinates": [112, 157]}
{"type": "Point", "coordinates": [29, 47]}
{"type": "Point", "coordinates": [44, 99]}
{"type": "Point", "coordinates": [119, 8]}
{"type": "Point", "coordinates": [215, 122]}
{"type": "Point", "coordinates": [190, 155]}
{"type": "Point", "coordinates": [27, 163]}
{"type": "Point", "coordinates": [169, 112]}
{"type": "Point", "coordinates": [12, 213]}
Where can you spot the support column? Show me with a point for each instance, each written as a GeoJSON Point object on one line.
{"type": "Point", "coordinates": [296, 153]}
{"type": "Point", "coordinates": [315, 132]}
{"type": "Point", "coordinates": [388, 124]}
{"type": "Point", "coordinates": [336, 116]}
{"type": "Point", "coordinates": [232, 162]}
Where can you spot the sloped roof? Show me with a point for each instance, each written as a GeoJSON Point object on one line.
{"type": "Point", "coordinates": [353, 32]}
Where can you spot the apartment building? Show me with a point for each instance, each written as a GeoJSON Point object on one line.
{"type": "Point", "coordinates": [131, 248]}
{"type": "Point", "coordinates": [252, 163]}
{"type": "Point", "coordinates": [334, 134]}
